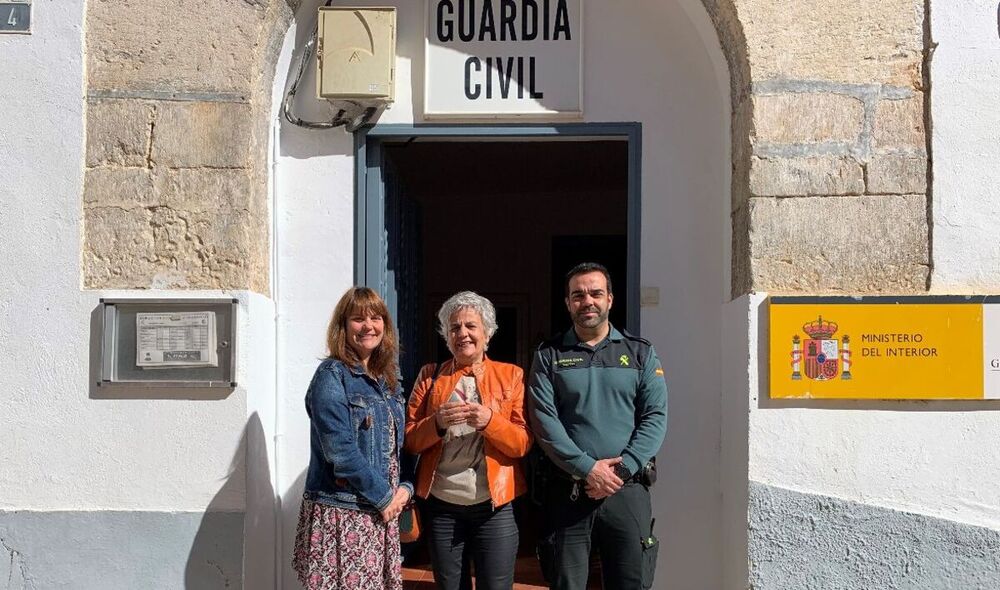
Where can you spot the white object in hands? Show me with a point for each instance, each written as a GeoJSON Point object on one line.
{"type": "Point", "coordinates": [465, 392]}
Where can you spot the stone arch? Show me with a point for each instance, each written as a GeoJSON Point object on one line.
{"type": "Point", "coordinates": [825, 104]}
{"type": "Point", "coordinates": [729, 30]}
{"type": "Point", "coordinates": [683, 105]}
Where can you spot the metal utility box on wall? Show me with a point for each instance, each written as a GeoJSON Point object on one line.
{"type": "Point", "coordinates": [356, 53]}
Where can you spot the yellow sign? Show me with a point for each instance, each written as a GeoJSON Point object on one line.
{"type": "Point", "coordinates": [884, 348]}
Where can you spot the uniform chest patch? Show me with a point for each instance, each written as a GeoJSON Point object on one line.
{"type": "Point", "coordinates": [571, 361]}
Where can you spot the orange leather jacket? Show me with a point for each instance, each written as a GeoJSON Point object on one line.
{"type": "Point", "coordinates": [507, 439]}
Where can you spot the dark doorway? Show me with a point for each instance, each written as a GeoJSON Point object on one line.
{"type": "Point", "coordinates": [507, 220]}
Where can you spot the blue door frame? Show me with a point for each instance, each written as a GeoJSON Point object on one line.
{"type": "Point", "coordinates": [371, 242]}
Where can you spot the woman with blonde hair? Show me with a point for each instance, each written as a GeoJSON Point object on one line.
{"type": "Point", "coordinates": [348, 534]}
{"type": "Point", "coordinates": [466, 420]}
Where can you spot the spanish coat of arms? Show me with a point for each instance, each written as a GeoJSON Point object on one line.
{"type": "Point", "coordinates": [821, 355]}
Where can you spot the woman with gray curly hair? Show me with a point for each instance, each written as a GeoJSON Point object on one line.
{"type": "Point", "coordinates": [466, 420]}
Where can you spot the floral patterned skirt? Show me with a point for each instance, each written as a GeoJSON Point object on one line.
{"type": "Point", "coordinates": [341, 549]}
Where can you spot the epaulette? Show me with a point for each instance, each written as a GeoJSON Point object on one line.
{"type": "Point", "coordinates": [553, 342]}
{"type": "Point", "coordinates": [635, 338]}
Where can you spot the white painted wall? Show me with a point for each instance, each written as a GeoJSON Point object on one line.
{"type": "Point", "coordinates": [965, 92]}
{"type": "Point", "coordinates": [936, 459]}
{"type": "Point", "coordinates": [739, 379]}
{"type": "Point", "coordinates": [63, 450]}
{"type": "Point", "coordinates": [653, 61]}
{"type": "Point", "coordinates": [41, 183]}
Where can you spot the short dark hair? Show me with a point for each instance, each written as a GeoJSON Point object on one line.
{"type": "Point", "coordinates": [584, 268]}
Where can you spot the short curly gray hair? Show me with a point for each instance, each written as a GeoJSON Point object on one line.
{"type": "Point", "coordinates": [468, 300]}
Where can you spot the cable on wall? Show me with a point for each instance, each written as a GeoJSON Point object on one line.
{"type": "Point", "coordinates": [350, 123]}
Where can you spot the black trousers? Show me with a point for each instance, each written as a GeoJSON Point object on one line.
{"type": "Point", "coordinates": [619, 526]}
{"type": "Point", "coordinates": [491, 537]}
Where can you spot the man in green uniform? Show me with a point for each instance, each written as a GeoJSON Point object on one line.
{"type": "Point", "coordinates": [598, 409]}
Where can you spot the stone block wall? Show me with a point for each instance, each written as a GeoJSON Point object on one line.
{"type": "Point", "coordinates": [830, 156]}
{"type": "Point", "coordinates": [838, 182]}
{"type": "Point", "coordinates": [178, 102]}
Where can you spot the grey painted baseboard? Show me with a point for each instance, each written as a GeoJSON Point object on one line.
{"type": "Point", "coordinates": [110, 550]}
{"type": "Point", "coordinates": [811, 542]}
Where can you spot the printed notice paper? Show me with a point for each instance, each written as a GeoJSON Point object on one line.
{"type": "Point", "coordinates": [172, 340]}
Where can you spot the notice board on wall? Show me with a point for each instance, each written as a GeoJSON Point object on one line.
{"type": "Point", "coordinates": [149, 342]}
{"type": "Point", "coordinates": [918, 348]}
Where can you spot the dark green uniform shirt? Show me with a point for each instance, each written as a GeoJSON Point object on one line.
{"type": "Point", "coordinates": [597, 403]}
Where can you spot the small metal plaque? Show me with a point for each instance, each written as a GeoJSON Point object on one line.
{"type": "Point", "coordinates": [15, 16]}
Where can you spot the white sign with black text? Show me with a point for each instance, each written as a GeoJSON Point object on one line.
{"type": "Point", "coordinates": [504, 58]}
{"type": "Point", "coordinates": [991, 351]}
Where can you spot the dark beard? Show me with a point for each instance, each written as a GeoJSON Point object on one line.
{"type": "Point", "coordinates": [600, 318]}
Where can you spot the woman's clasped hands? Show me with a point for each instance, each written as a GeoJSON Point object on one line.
{"type": "Point", "coordinates": [452, 413]}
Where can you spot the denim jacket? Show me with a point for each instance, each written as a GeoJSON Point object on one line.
{"type": "Point", "coordinates": [349, 415]}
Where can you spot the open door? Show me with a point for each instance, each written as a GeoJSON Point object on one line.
{"type": "Point", "coordinates": [506, 219]}
{"type": "Point", "coordinates": [402, 264]}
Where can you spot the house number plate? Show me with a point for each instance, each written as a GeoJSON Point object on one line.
{"type": "Point", "coordinates": [15, 16]}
